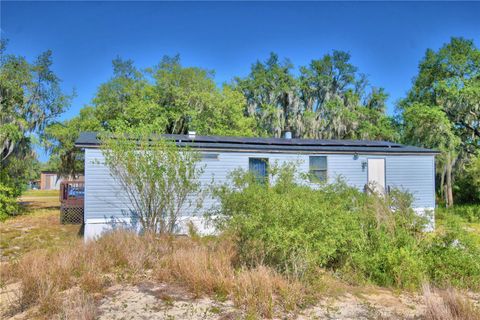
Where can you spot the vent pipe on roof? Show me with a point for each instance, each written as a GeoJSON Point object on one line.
{"type": "Point", "coordinates": [191, 134]}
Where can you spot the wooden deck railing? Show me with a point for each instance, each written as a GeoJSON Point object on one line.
{"type": "Point", "coordinates": [72, 201]}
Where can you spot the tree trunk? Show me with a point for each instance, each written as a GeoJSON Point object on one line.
{"type": "Point", "coordinates": [449, 183]}
{"type": "Point", "coordinates": [442, 182]}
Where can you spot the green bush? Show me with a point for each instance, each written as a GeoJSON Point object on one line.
{"type": "Point", "coordinates": [295, 229]}
{"type": "Point", "coordinates": [8, 202]}
{"type": "Point", "coordinates": [467, 182]}
{"type": "Point", "coordinates": [470, 213]}
{"type": "Point", "coordinates": [453, 255]}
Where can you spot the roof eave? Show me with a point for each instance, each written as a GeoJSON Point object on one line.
{"type": "Point", "coordinates": [291, 150]}
{"type": "Point", "coordinates": [89, 140]}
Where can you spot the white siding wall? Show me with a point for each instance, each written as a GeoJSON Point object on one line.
{"type": "Point", "coordinates": [106, 201]}
{"type": "Point", "coordinates": [416, 174]}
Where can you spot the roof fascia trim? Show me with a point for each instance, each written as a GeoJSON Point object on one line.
{"type": "Point", "coordinates": [238, 150]}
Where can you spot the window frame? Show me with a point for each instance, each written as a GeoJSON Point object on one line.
{"type": "Point", "coordinates": [259, 179]}
{"type": "Point", "coordinates": [311, 172]}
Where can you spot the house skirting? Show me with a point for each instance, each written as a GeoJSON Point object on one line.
{"type": "Point", "coordinates": [94, 228]}
{"type": "Point", "coordinates": [429, 213]}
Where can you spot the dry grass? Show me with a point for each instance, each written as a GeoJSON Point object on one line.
{"type": "Point", "coordinates": [261, 290]}
{"type": "Point", "coordinates": [38, 228]}
{"type": "Point", "coordinates": [122, 256]}
{"type": "Point", "coordinates": [77, 306]}
{"type": "Point", "coordinates": [201, 269]}
{"type": "Point", "coordinates": [448, 304]}
{"type": "Point", "coordinates": [210, 270]}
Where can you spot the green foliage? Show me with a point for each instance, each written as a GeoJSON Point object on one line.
{"type": "Point", "coordinates": [327, 100]}
{"type": "Point", "coordinates": [450, 78]}
{"type": "Point", "coordinates": [470, 213]}
{"type": "Point", "coordinates": [20, 167]}
{"type": "Point", "coordinates": [8, 202]}
{"type": "Point", "coordinates": [448, 83]}
{"type": "Point", "coordinates": [295, 228]}
{"type": "Point", "coordinates": [170, 98]}
{"type": "Point", "coordinates": [167, 98]}
{"type": "Point", "coordinates": [30, 98]}
{"type": "Point", "coordinates": [429, 126]}
{"type": "Point", "coordinates": [156, 176]}
{"type": "Point", "coordinates": [270, 91]}
{"type": "Point", "coordinates": [53, 164]}
{"type": "Point", "coordinates": [60, 140]}
{"type": "Point", "coordinates": [453, 255]}
{"type": "Point", "coordinates": [467, 184]}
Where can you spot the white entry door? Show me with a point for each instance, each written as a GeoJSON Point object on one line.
{"type": "Point", "coordinates": [376, 174]}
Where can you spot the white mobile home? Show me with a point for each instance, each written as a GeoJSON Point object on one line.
{"type": "Point", "coordinates": [387, 164]}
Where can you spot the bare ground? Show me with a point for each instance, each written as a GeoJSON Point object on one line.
{"type": "Point", "coordinates": [160, 301]}
{"type": "Point", "coordinates": [151, 300]}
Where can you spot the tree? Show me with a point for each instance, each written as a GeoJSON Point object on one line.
{"type": "Point", "coordinates": [126, 99]}
{"type": "Point", "coordinates": [449, 80]}
{"type": "Point", "coordinates": [272, 96]}
{"type": "Point", "coordinates": [156, 175]}
{"type": "Point", "coordinates": [328, 100]}
{"type": "Point", "coordinates": [190, 100]}
{"type": "Point", "coordinates": [167, 98]}
{"type": "Point", "coordinates": [30, 98]}
{"type": "Point", "coordinates": [223, 114]}
{"type": "Point", "coordinates": [462, 105]}
{"type": "Point", "coordinates": [53, 164]}
{"type": "Point", "coordinates": [337, 104]}
{"type": "Point", "coordinates": [430, 127]}
{"type": "Point", "coordinates": [59, 140]}
{"type": "Point", "coordinates": [467, 184]}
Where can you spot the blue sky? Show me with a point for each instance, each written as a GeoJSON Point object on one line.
{"type": "Point", "coordinates": [386, 40]}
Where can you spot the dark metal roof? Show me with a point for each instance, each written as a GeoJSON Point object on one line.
{"type": "Point", "coordinates": [89, 139]}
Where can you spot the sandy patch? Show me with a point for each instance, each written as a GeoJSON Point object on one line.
{"type": "Point", "coordinates": [160, 301]}
{"type": "Point", "coordinates": [8, 297]}
{"type": "Point", "coordinates": [151, 300]}
{"type": "Point", "coordinates": [381, 305]}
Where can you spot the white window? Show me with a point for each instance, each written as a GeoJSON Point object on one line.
{"type": "Point", "coordinates": [318, 168]}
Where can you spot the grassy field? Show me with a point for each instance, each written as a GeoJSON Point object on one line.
{"type": "Point", "coordinates": [48, 271]}
{"type": "Point", "coordinates": [40, 193]}
{"type": "Point", "coordinates": [37, 228]}
{"type": "Point", "coordinates": [468, 215]}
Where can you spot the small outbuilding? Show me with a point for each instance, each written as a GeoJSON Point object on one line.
{"type": "Point", "coordinates": [358, 162]}
{"type": "Point", "coordinates": [51, 180]}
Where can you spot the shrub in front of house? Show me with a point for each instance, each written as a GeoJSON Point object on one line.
{"type": "Point", "coordinates": [453, 255]}
{"type": "Point", "coordinates": [295, 229]}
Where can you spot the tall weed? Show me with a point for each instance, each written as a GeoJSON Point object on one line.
{"type": "Point", "coordinates": [448, 304]}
